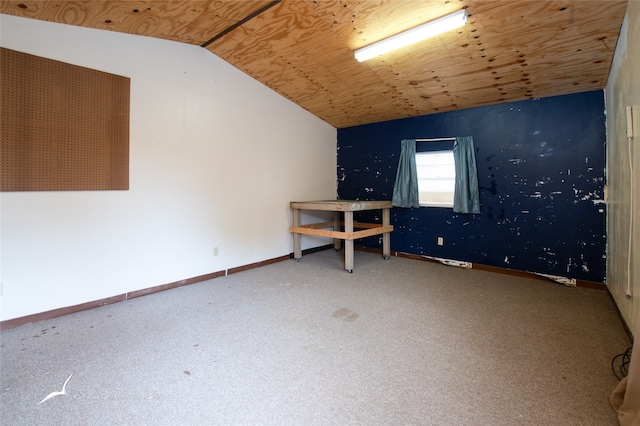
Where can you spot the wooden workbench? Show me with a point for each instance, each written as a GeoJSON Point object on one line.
{"type": "Point", "coordinates": [339, 207]}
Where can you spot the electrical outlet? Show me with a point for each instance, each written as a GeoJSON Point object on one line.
{"type": "Point", "coordinates": [440, 241]}
{"type": "Point", "coordinates": [215, 251]}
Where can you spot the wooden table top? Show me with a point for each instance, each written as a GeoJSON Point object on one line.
{"type": "Point", "coordinates": [340, 205]}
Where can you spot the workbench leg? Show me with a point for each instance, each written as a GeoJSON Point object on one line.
{"type": "Point", "coordinates": [336, 227]}
{"type": "Point", "coordinates": [348, 243]}
{"type": "Point", "coordinates": [386, 237]}
{"type": "Point", "coordinates": [297, 240]}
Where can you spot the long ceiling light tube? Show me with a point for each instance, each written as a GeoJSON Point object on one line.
{"type": "Point", "coordinates": [413, 35]}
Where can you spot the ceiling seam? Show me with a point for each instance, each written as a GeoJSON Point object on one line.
{"type": "Point", "coordinates": [239, 23]}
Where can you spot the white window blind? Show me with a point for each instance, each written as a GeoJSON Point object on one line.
{"type": "Point", "coordinates": [436, 178]}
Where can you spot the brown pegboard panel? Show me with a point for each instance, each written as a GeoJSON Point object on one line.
{"type": "Point", "coordinates": [63, 127]}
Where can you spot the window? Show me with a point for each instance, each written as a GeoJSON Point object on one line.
{"type": "Point", "coordinates": [436, 178]}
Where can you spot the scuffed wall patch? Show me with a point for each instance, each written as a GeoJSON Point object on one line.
{"type": "Point", "coordinates": [450, 262]}
{"type": "Point", "coordinates": [569, 282]}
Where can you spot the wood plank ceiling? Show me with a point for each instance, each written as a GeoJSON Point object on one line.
{"type": "Point", "coordinates": [303, 49]}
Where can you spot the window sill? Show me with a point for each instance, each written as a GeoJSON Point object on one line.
{"type": "Point", "coordinates": [445, 205]}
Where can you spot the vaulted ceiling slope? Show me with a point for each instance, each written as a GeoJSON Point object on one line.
{"type": "Point", "coordinates": [303, 49]}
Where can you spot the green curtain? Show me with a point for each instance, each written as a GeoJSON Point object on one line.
{"type": "Point", "coordinates": [466, 198]}
{"type": "Point", "coordinates": [405, 191]}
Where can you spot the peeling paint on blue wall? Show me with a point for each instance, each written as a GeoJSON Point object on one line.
{"type": "Point", "coordinates": [540, 167]}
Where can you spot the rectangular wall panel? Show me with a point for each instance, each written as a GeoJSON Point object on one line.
{"type": "Point", "coordinates": [64, 127]}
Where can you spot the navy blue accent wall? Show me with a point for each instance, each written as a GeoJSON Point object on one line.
{"type": "Point", "coordinates": [541, 175]}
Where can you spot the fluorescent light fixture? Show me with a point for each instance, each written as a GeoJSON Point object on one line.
{"type": "Point", "coordinates": [413, 35]}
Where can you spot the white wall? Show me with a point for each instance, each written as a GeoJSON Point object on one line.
{"type": "Point", "coordinates": [623, 88]}
{"type": "Point", "coordinates": [215, 159]}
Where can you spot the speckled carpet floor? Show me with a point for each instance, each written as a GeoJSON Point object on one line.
{"type": "Point", "coordinates": [397, 342]}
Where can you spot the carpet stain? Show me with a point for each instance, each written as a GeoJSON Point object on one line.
{"type": "Point", "coordinates": [346, 314]}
